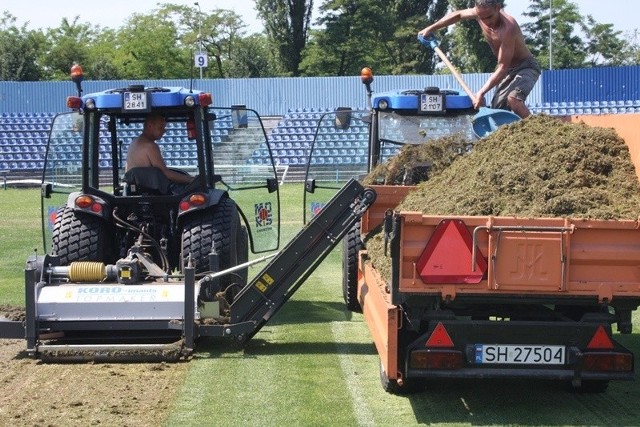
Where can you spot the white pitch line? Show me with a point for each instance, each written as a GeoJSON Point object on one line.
{"type": "Point", "coordinates": [363, 413]}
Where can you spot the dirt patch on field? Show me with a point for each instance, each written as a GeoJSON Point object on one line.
{"type": "Point", "coordinates": [33, 393]}
{"type": "Point", "coordinates": [12, 313]}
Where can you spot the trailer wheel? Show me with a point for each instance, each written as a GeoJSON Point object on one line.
{"type": "Point", "coordinates": [218, 228]}
{"type": "Point", "coordinates": [78, 237]}
{"type": "Point", "coordinates": [406, 386]}
{"type": "Point", "coordinates": [351, 245]}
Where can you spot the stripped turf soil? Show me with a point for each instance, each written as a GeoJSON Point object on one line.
{"type": "Point", "coordinates": [33, 393]}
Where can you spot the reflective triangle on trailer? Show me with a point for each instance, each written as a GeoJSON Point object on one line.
{"type": "Point", "coordinates": [447, 256]}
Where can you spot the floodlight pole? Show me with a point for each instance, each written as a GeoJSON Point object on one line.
{"type": "Point", "coordinates": [550, 36]}
{"type": "Point", "coordinates": [199, 32]}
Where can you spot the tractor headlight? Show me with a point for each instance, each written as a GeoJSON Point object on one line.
{"type": "Point", "coordinates": [90, 104]}
{"type": "Point", "coordinates": [383, 104]}
{"type": "Point", "coordinates": [189, 101]}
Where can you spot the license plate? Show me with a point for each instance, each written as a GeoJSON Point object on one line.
{"type": "Point", "coordinates": [520, 354]}
{"type": "Point", "coordinates": [135, 101]}
{"type": "Point", "coordinates": [431, 103]}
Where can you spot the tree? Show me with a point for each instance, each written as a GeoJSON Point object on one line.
{"type": "Point", "coordinates": [631, 51]}
{"type": "Point", "coordinates": [221, 33]}
{"type": "Point", "coordinates": [368, 32]}
{"type": "Point", "coordinates": [225, 30]}
{"type": "Point", "coordinates": [101, 64]}
{"type": "Point", "coordinates": [604, 45]}
{"type": "Point", "coordinates": [253, 58]}
{"type": "Point", "coordinates": [148, 47]}
{"type": "Point", "coordinates": [349, 40]}
{"type": "Point", "coordinates": [406, 18]}
{"type": "Point", "coordinates": [567, 48]}
{"type": "Point", "coordinates": [69, 43]}
{"type": "Point", "coordinates": [287, 25]}
{"type": "Point", "coordinates": [469, 51]}
{"type": "Point", "coordinates": [19, 51]}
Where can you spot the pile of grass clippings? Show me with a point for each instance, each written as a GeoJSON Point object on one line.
{"type": "Point", "coordinates": [417, 163]}
{"type": "Point", "coordinates": [538, 167]}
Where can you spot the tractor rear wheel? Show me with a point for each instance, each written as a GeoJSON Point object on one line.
{"type": "Point", "coordinates": [78, 236]}
{"type": "Point", "coordinates": [240, 277]}
{"type": "Point", "coordinates": [217, 229]}
{"type": "Point", "coordinates": [351, 245]}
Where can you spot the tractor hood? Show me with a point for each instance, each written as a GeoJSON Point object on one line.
{"type": "Point", "coordinates": [409, 99]}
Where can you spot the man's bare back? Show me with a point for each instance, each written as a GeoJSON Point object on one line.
{"type": "Point", "coordinates": [144, 152]}
{"type": "Point", "coordinates": [507, 28]}
{"type": "Point", "coordinates": [139, 154]}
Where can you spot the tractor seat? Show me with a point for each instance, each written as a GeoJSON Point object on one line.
{"type": "Point", "coordinates": [147, 180]}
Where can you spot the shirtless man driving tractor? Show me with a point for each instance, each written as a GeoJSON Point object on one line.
{"type": "Point", "coordinates": [144, 152]}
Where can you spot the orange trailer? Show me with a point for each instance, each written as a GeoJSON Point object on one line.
{"type": "Point", "coordinates": [479, 297]}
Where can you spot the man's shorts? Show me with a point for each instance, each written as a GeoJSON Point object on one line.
{"type": "Point", "coordinates": [518, 83]}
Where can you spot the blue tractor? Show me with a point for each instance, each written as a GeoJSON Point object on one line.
{"type": "Point", "coordinates": [392, 120]}
{"type": "Point", "coordinates": [117, 244]}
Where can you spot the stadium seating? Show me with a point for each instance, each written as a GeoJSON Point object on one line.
{"type": "Point", "coordinates": [292, 138]}
{"type": "Point", "coordinates": [23, 137]}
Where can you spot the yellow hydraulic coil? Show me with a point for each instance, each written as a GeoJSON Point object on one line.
{"type": "Point", "coordinates": [87, 271]}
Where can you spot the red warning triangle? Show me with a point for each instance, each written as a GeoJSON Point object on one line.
{"type": "Point", "coordinates": [439, 337]}
{"type": "Point", "coordinates": [447, 256]}
{"type": "Point", "coordinates": [600, 340]}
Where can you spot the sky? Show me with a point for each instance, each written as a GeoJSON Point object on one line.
{"type": "Point", "coordinates": [623, 14]}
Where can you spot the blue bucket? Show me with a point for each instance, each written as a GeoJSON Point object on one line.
{"type": "Point", "coordinates": [489, 119]}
